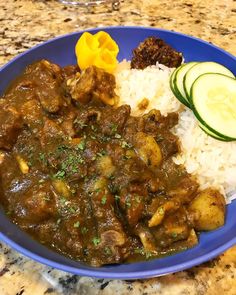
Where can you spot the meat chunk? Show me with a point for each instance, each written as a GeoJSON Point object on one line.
{"type": "Point", "coordinates": [32, 115]}
{"type": "Point", "coordinates": [154, 50]}
{"type": "Point", "coordinates": [36, 205]}
{"type": "Point", "coordinates": [85, 118]}
{"type": "Point", "coordinates": [70, 71]}
{"type": "Point", "coordinates": [93, 83]}
{"type": "Point", "coordinates": [113, 120]}
{"type": "Point", "coordinates": [48, 77]}
{"type": "Point", "coordinates": [10, 124]}
{"type": "Point", "coordinates": [52, 134]}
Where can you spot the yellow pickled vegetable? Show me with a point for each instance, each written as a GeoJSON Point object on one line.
{"type": "Point", "coordinates": [99, 50]}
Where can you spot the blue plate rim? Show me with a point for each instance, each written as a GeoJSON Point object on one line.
{"type": "Point", "coordinates": [95, 271]}
{"type": "Point", "coordinates": [131, 275]}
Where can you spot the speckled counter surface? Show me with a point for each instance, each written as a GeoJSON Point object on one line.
{"type": "Point", "coordinates": [24, 24]}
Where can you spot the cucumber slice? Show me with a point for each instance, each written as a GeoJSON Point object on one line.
{"type": "Point", "coordinates": [210, 133]}
{"type": "Point", "coordinates": [172, 85]}
{"type": "Point", "coordinates": [213, 99]}
{"type": "Point", "coordinates": [172, 77]}
{"type": "Point", "coordinates": [200, 69]}
{"type": "Point", "coordinates": [178, 82]}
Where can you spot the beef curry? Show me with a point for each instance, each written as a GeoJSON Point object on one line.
{"type": "Point", "coordinates": [86, 178]}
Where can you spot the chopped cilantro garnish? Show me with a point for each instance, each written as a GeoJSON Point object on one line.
{"type": "Point", "coordinates": [137, 199]}
{"type": "Point", "coordinates": [96, 241]}
{"type": "Point", "coordinates": [84, 230]}
{"type": "Point", "coordinates": [102, 153]}
{"type": "Point", "coordinates": [148, 254]}
{"type": "Point", "coordinates": [59, 174]}
{"type": "Point", "coordinates": [174, 235]}
{"type": "Point", "coordinates": [139, 251]}
{"type": "Point", "coordinates": [143, 252]}
{"type": "Point", "coordinates": [117, 198]}
{"type": "Point", "coordinates": [72, 209]}
{"type": "Point", "coordinates": [77, 224]}
{"type": "Point", "coordinates": [63, 200]}
{"type": "Point", "coordinates": [42, 158]}
{"type": "Point", "coordinates": [104, 138]}
{"type": "Point", "coordinates": [114, 127]}
{"type": "Point", "coordinates": [46, 198]}
{"type": "Point", "coordinates": [94, 158]}
{"type": "Point", "coordinates": [93, 128]}
{"type": "Point", "coordinates": [126, 157]}
{"type": "Point", "coordinates": [29, 163]}
{"type": "Point", "coordinates": [81, 145]}
{"type": "Point", "coordinates": [125, 144]}
{"type": "Point", "coordinates": [107, 250]}
{"type": "Point", "coordinates": [127, 203]}
{"type": "Point", "coordinates": [73, 191]}
{"type": "Point", "coordinates": [80, 123]}
{"type": "Point", "coordinates": [61, 148]}
{"type": "Point", "coordinates": [104, 200]}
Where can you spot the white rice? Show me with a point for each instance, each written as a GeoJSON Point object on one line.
{"type": "Point", "coordinates": [151, 83]}
{"type": "Point", "coordinates": [213, 162]}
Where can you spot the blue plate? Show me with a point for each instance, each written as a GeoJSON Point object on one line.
{"type": "Point", "coordinates": [61, 51]}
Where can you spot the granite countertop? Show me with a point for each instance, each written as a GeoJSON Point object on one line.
{"type": "Point", "coordinates": [25, 23]}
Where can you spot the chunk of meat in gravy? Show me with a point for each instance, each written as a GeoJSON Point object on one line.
{"type": "Point", "coordinates": [70, 71]}
{"type": "Point", "coordinates": [31, 112]}
{"type": "Point", "coordinates": [93, 83]}
{"type": "Point", "coordinates": [98, 182]}
{"type": "Point", "coordinates": [49, 90]}
{"type": "Point", "coordinates": [109, 228]}
{"type": "Point", "coordinates": [112, 121]}
{"type": "Point", "coordinates": [42, 81]}
{"type": "Point", "coordinates": [52, 134]}
{"type": "Point", "coordinates": [36, 205]}
{"type": "Point", "coordinates": [10, 125]}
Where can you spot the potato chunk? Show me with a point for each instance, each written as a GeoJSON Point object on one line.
{"type": "Point", "coordinates": [61, 187]}
{"type": "Point", "coordinates": [148, 150]}
{"type": "Point", "coordinates": [209, 210]}
{"type": "Point", "coordinates": [105, 166]}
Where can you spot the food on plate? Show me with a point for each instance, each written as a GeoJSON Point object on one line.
{"type": "Point", "coordinates": [94, 165]}
{"type": "Point", "coordinates": [202, 68]}
{"type": "Point", "coordinates": [153, 50]}
{"type": "Point", "coordinates": [93, 83]}
{"type": "Point", "coordinates": [150, 89]}
{"type": "Point", "coordinates": [209, 206]}
{"type": "Point", "coordinates": [98, 50]}
{"type": "Point", "coordinates": [177, 82]}
{"type": "Point", "coordinates": [205, 85]}
{"type": "Point", "coordinates": [213, 98]}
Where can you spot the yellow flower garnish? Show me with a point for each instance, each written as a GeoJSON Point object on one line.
{"type": "Point", "coordinates": [99, 50]}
